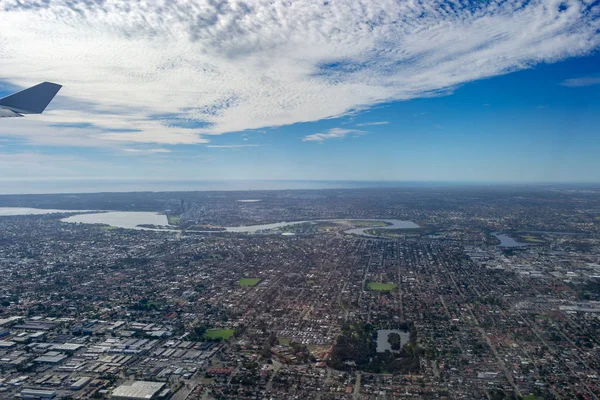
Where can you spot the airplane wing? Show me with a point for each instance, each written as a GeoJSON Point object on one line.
{"type": "Point", "coordinates": [29, 101]}
{"type": "Point", "coordinates": [6, 113]}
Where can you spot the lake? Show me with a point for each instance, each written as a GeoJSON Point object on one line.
{"type": "Point", "coordinates": [382, 339]}
{"type": "Point", "coordinates": [507, 241]}
{"type": "Point", "coordinates": [121, 219]}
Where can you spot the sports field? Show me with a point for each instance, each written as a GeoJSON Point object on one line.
{"type": "Point", "coordinates": [381, 287]}
{"type": "Point", "coordinates": [248, 281]}
{"type": "Point", "coordinates": [219, 334]}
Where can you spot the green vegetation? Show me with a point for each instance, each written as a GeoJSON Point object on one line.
{"type": "Point", "coordinates": [302, 352]}
{"type": "Point", "coordinates": [395, 340]}
{"type": "Point", "coordinates": [588, 291]}
{"type": "Point", "coordinates": [283, 341]}
{"type": "Point", "coordinates": [197, 335]}
{"type": "Point", "coordinates": [397, 233]}
{"type": "Point", "coordinates": [109, 228]}
{"type": "Point", "coordinates": [147, 305]}
{"type": "Point", "coordinates": [326, 225]}
{"type": "Point", "coordinates": [218, 334]}
{"type": "Point", "coordinates": [248, 281]}
{"type": "Point", "coordinates": [174, 220]}
{"type": "Point", "coordinates": [381, 287]}
{"type": "Point", "coordinates": [356, 348]}
{"type": "Point", "coordinates": [532, 397]}
{"type": "Point", "coordinates": [305, 226]}
{"type": "Point", "coordinates": [532, 239]}
{"type": "Point", "coordinates": [201, 333]}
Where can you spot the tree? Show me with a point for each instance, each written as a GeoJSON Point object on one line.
{"type": "Point", "coordinates": [197, 335]}
{"type": "Point", "coordinates": [395, 340]}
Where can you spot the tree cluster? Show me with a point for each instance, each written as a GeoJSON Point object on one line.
{"type": "Point", "coordinates": [356, 348]}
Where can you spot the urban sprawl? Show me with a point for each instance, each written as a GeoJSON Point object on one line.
{"type": "Point", "coordinates": [493, 293]}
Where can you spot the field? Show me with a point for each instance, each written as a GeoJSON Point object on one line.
{"type": "Point", "coordinates": [248, 281]}
{"type": "Point", "coordinates": [218, 334]}
{"type": "Point", "coordinates": [174, 220]}
{"type": "Point", "coordinates": [382, 287]}
{"type": "Point", "coordinates": [391, 233]}
{"type": "Point", "coordinates": [533, 239]}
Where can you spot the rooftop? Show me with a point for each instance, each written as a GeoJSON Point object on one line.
{"type": "Point", "coordinates": [138, 390]}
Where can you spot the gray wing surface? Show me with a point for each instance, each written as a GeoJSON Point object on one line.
{"type": "Point", "coordinates": [6, 113]}
{"type": "Point", "coordinates": [29, 101]}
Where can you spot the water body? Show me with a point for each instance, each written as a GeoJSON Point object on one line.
{"type": "Point", "coordinates": [382, 339]}
{"type": "Point", "coordinates": [121, 219]}
{"type": "Point", "coordinates": [394, 224]}
{"type": "Point", "coordinates": [507, 241]}
{"type": "Point", "coordinates": [132, 220]}
{"type": "Point", "coordinates": [263, 227]}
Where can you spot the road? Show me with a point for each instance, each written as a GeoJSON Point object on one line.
{"type": "Point", "coordinates": [356, 394]}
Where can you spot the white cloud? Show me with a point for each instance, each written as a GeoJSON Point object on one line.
{"type": "Point", "coordinates": [231, 146]}
{"type": "Point", "coordinates": [146, 151]}
{"type": "Point", "coordinates": [237, 66]}
{"type": "Point", "coordinates": [335, 133]}
{"type": "Point", "coordinates": [579, 82]}
{"type": "Point", "coordinates": [373, 123]}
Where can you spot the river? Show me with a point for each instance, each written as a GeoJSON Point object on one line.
{"type": "Point", "coordinates": [394, 224]}
{"type": "Point", "coordinates": [133, 220]}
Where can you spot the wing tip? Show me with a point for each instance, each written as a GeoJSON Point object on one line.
{"type": "Point", "coordinates": [33, 100]}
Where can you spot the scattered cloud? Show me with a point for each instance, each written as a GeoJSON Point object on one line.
{"type": "Point", "coordinates": [231, 146]}
{"type": "Point", "coordinates": [373, 123]}
{"type": "Point", "coordinates": [171, 72]}
{"type": "Point", "coordinates": [146, 151]}
{"type": "Point", "coordinates": [580, 82]}
{"type": "Point", "coordinates": [335, 133]}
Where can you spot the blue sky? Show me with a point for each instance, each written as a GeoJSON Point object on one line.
{"type": "Point", "coordinates": [503, 93]}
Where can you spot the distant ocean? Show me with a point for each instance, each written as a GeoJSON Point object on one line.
{"type": "Point", "coordinates": [97, 186]}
